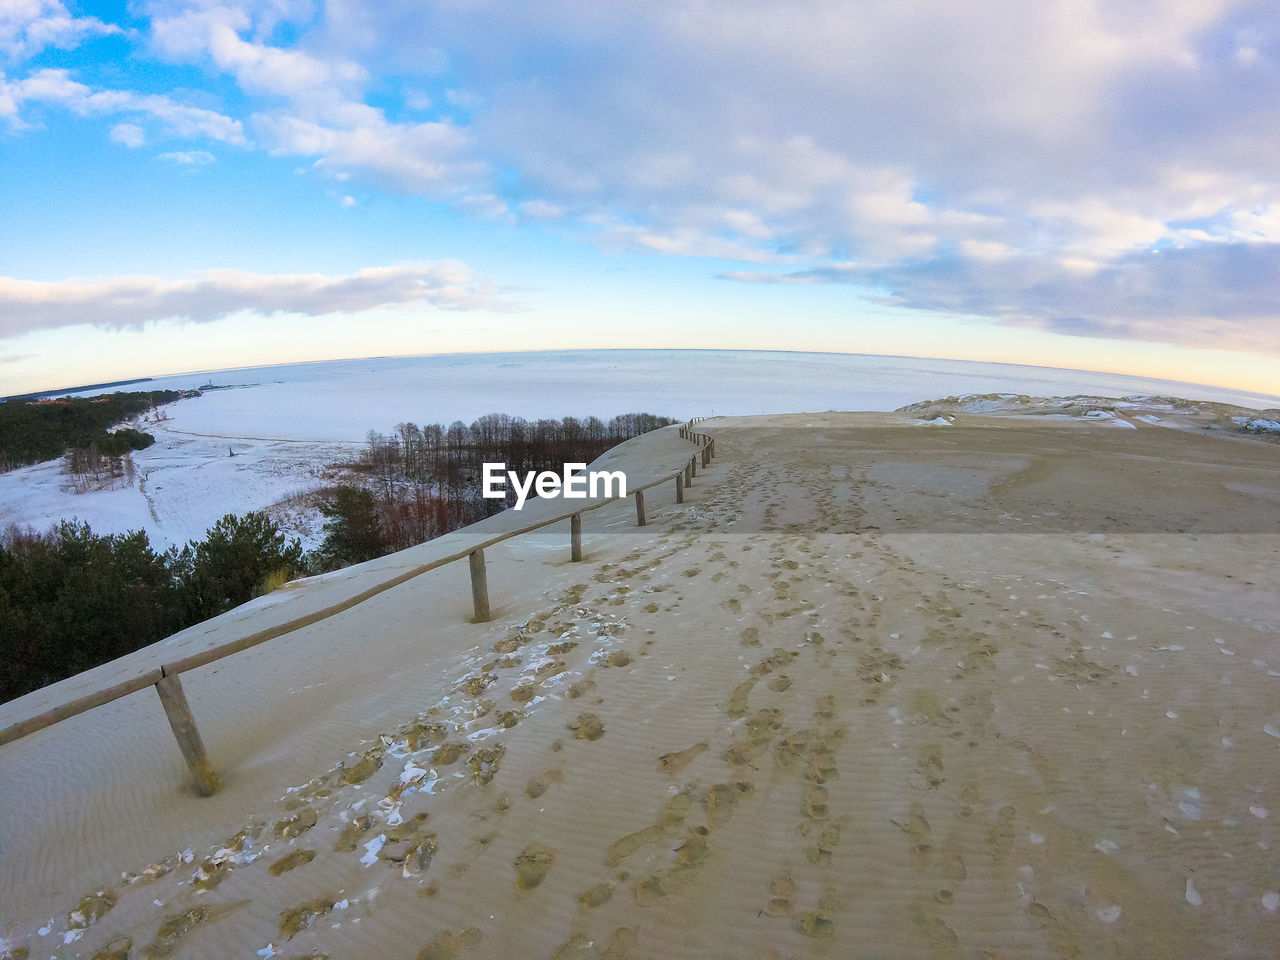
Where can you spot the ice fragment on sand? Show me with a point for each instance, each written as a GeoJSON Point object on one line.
{"type": "Point", "coordinates": [372, 848]}
{"type": "Point", "coordinates": [1109, 914]}
{"type": "Point", "coordinates": [1259, 812]}
{"type": "Point", "coordinates": [1131, 670]}
{"type": "Point", "coordinates": [411, 772]}
{"type": "Point", "coordinates": [1271, 730]}
{"type": "Point", "coordinates": [1106, 846]}
{"type": "Point", "coordinates": [1193, 895]}
{"type": "Point", "coordinates": [1271, 901]}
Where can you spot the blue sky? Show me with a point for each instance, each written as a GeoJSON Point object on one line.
{"type": "Point", "coordinates": [191, 185]}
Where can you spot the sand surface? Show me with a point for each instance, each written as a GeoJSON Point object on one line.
{"type": "Point", "coordinates": [877, 689]}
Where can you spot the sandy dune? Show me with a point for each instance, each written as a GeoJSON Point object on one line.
{"type": "Point", "coordinates": [878, 689]}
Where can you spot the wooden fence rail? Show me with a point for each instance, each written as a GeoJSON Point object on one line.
{"type": "Point", "coordinates": [169, 687]}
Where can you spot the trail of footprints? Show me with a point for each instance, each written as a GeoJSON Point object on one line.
{"type": "Point", "coordinates": [448, 744]}
{"type": "Point", "coordinates": [567, 647]}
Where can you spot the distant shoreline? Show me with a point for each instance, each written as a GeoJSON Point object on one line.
{"type": "Point", "coordinates": [81, 389]}
{"type": "Point", "coordinates": [635, 352]}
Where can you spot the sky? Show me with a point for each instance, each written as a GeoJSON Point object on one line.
{"type": "Point", "coordinates": [192, 185]}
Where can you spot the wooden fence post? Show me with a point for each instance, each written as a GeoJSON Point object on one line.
{"type": "Point", "coordinates": [178, 711]}
{"type": "Point", "coordinates": [693, 464]}
{"type": "Point", "coordinates": [680, 487]}
{"type": "Point", "coordinates": [479, 586]}
{"type": "Point", "coordinates": [639, 508]}
{"type": "Point", "coordinates": [706, 457]}
{"type": "Point", "coordinates": [711, 448]}
{"type": "Point", "coordinates": [688, 475]}
{"type": "Point", "coordinates": [575, 537]}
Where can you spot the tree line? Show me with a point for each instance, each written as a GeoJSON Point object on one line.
{"type": "Point", "coordinates": [32, 431]}
{"type": "Point", "coordinates": [71, 599]}
{"type": "Point", "coordinates": [424, 481]}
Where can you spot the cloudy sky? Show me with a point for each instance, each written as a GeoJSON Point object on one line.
{"type": "Point", "coordinates": [191, 184]}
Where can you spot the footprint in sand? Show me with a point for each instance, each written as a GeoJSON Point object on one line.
{"type": "Point", "coordinates": [921, 835]}
{"type": "Point", "coordinates": [296, 919]}
{"type": "Point", "coordinates": [939, 935]}
{"type": "Point", "coordinates": [353, 833]}
{"type": "Point", "coordinates": [363, 770]}
{"type": "Point", "coordinates": [475, 686]}
{"type": "Point", "coordinates": [737, 706]}
{"type": "Point", "coordinates": [824, 849]}
{"type": "Point", "coordinates": [117, 948]}
{"type": "Point", "coordinates": [1002, 834]}
{"type": "Point", "coordinates": [750, 636]}
{"type": "Point", "coordinates": [91, 909]}
{"type": "Point", "coordinates": [929, 766]}
{"type": "Point", "coordinates": [446, 945]}
{"type": "Point", "coordinates": [296, 859]}
{"type": "Point", "coordinates": [581, 687]}
{"type": "Point", "coordinates": [721, 798]}
{"type": "Point", "coordinates": [782, 891]}
{"type": "Point", "coordinates": [669, 822]}
{"type": "Point", "coordinates": [176, 927]}
{"type": "Point", "coordinates": [623, 847]}
{"type": "Point", "coordinates": [820, 922]}
{"type": "Point", "coordinates": [673, 763]}
{"type": "Point", "coordinates": [597, 896]}
{"type": "Point", "coordinates": [484, 762]}
{"type": "Point", "coordinates": [297, 825]}
{"type": "Point", "coordinates": [588, 726]}
{"type": "Point", "coordinates": [814, 803]}
{"type": "Point", "coordinates": [532, 865]}
{"type": "Point", "coordinates": [540, 784]}
{"type": "Point", "coordinates": [690, 856]}
{"type": "Point", "coordinates": [448, 754]}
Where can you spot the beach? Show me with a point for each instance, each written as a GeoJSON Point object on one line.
{"type": "Point", "coordinates": [884, 685]}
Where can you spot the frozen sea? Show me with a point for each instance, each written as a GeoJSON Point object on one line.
{"type": "Point", "coordinates": [345, 399]}
{"type": "Point", "coordinates": [270, 434]}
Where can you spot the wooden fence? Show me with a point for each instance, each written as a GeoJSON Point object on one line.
{"type": "Point", "coordinates": [166, 678]}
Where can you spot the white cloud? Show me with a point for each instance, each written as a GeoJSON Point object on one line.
{"type": "Point", "coordinates": [348, 201]}
{"type": "Point", "coordinates": [28, 27]}
{"type": "Point", "coordinates": [129, 301]}
{"type": "Point", "coordinates": [259, 67]}
{"type": "Point", "coordinates": [128, 135]}
{"type": "Point", "coordinates": [57, 87]}
{"type": "Point", "coordinates": [541, 210]}
{"type": "Point", "coordinates": [1055, 141]}
{"type": "Point", "coordinates": [189, 158]}
{"type": "Point", "coordinates": [431, 159]}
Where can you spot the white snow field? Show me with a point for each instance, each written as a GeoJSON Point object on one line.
{"type": "Point", "coordinates": [286, 425]}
